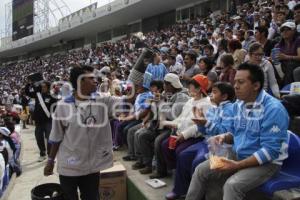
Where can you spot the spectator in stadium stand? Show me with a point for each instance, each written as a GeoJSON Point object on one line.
{"type": "Point", "coordinates": [256, 57]}
{"type": "Point", "coordinates": [175, 97]}
{"type": "Point", "coordinates": [44, 104]}
{"type": "Point", "coordinates": [201, 44]}
{"type": "Point", "coordinates": [191, 68]}
{"type": "Point", "coordinates": [228, 72]}
{"type": "Point", "coordinates": [197, 46]}
{"type": "Point", "coordinates": [92, 143]}
{"type": "Point", "coordinates": [175, 67]}
{"type": "Point", "coordinates": [209, 53]}
{"type": "Point", "coordinates": [150, 124]}
{"type": "Point", "coordinates": [261, 36]}
{"type": "Point", "coordinates": [238, 54]}
{"type": "Point", "coordinates": [288, 13]}
{"type": "Point", "coordinates": [205, 65]}
{"type": "Point", "coordinates": [297, 17]}
{"type": "Point", "coordinates": [222, 49]}
{"type": "Point", "coordinates": [175, 51]}
{"type": "Point", "coordinates": [257, 158]}
{"type": "Point", "coordinates": [264, 22]}
{"type": "Point", "coordinates": [228, 34]}
{"type": "Point", "coordinates": [289, 50]}
{"type": "Point", "coordinates": [216, 122]}
{"type": "Point", "coordinates": [24, 100]}
{"type": "Point", "coordinates": [141, 109]}
{"type": "Point", "coordinates": [157, 69]}
{"type": "Point", "coordinates": [278, 21]}
{"type": "Point", "coordinates": [256, 19]}
{"type": "Point", "coordinates": [186, 130]}
{"type": "Point", "coordinates": [240, 35]}
{"type": "Point", "coordinates": [249, 39]}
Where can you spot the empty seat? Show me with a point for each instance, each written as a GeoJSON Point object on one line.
{"type": "Point", "coordinates": [289, 175]}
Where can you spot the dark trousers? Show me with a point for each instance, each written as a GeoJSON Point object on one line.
{"type": "Point", "coordinates": [88, 186]}
{"type": "Point", "coordinates": [171, 155]}
{"type": "Point", "coordinates": [42, 131]}
{"type": "Point", "coordinates": [288, 68]}
{"type": "Point", "coordinates": [187, 161]}
{"type": "Point", "coordinates": [123, 128]}
{"type": "Point", "coordinates": [161, 165]}
{"type": "Point", "coordinates": [114, 123]}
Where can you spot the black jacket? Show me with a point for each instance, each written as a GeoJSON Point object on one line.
{"type": "Point", "coordinates": [39, 115]}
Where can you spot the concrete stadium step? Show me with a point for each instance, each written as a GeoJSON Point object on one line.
{"type": "Point", "coordinates": [137, 189]}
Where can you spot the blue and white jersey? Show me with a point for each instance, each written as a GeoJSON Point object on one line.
{"type": "Point", "coordinates": [141, 102]}
{"type": "Point", "coordinates": [158, 71]}
{"type": "Point", "coordinates": [219, 120]}
{"type": "Point", "coordinates": [260, 130]}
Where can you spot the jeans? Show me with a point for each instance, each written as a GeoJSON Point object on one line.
{"type": "Point", "coordinates": [186, 163]}
{"type": "Point", "coordinates": [209, 183]}
{"type": "Point", "coordinates": [88, 186]}
{"type": "Point", "coordinates": [131, 139]}
{"type": "Point", "coordinates": [42, 131]}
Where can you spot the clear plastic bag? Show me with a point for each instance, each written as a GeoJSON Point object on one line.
{"type": "Point", "coordinates": [218, 151]}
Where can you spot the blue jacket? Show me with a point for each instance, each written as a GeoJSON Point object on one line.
{"type": "Point", "coordinates": [261, 131]}
{"type": "Point", "coordinates": [219, 120]}
{"type": "Point", "coordinates": [141, 102]}
{"type": "Point", "coordinates": [158, 72]}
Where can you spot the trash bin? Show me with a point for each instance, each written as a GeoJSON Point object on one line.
{"type": "Point", "coordinates": [49, 191]}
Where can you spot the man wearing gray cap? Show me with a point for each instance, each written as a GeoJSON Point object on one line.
{"type": "Point", "coordinates": [176, 97]}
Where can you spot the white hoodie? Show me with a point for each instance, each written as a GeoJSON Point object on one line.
{"type": "Point", "coordinates": [184, 122]}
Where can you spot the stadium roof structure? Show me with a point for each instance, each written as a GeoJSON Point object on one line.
{"type": "Point", "coordinates": [117, 13]}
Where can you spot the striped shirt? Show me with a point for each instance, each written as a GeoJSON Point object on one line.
{"type": "Point", "coordinates": [158, 71]}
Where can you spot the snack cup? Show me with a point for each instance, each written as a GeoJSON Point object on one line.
{"type": "Point", "coordinates": [172, 142]}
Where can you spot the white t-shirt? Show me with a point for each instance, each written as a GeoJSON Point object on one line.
{"type": "Point", "coordinates": [2, 169]}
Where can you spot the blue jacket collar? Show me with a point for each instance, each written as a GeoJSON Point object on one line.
{"type": "Point", "coordinates": [223, 103]}
{"type": "Point", "coordinates": [258, 101]}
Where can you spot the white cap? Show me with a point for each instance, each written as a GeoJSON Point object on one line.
{"type": "Point", "coordinates": [4, 131]}
{"type": "Point", "coordinates": [174, 80]}
{"type": "Point", "coordinates": [290, 25]}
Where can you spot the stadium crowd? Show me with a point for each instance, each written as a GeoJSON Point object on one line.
{"type": "Point", "coordinates": [192, 84]}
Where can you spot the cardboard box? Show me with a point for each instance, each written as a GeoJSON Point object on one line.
{"type": "Point", "coordinates": [113, 183]}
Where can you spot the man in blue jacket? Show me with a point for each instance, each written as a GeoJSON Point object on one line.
{"type": "Point", "coordinates": [259, 137]}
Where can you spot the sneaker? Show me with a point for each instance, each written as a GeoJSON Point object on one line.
{"type": "Point", "coordinates": [41, 158]}
{"type": "Point", "coordinates": [172, 196]}
{"type": "Point", "coordinates": [137, 165]}
{"type": "Point", "coordinates": [146, 170]}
